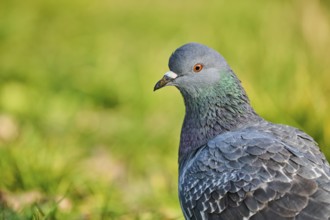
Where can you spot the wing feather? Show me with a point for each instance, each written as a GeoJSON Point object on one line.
{"type": "Point", "coordinates": [273, 173]}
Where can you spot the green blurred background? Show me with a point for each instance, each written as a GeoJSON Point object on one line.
{"type": "Point", "coordinates": [82, 135]}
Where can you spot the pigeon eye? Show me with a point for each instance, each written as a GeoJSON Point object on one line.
{"type": "Point", "coordinates": [198, 67]}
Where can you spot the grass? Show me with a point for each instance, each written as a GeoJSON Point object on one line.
{"type": "Point", "coordinates": [82, 135]}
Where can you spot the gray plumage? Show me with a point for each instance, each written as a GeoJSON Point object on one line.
{"type": "Point", "coordinates": [232, 163]}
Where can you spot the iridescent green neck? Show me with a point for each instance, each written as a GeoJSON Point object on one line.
{"type": "Point", "coordinates": [213, 110]}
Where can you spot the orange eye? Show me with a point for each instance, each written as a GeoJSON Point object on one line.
{"type": "Point", "coordinates": [198, 67]}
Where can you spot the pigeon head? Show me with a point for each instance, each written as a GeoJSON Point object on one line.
{"type": "Point", "coordinates": [194, 67]}
{"type": "Point", "coordinates": [214, 99]}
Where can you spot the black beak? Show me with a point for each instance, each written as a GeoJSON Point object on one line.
{"type": "Point", "coordinates": [168, 77]}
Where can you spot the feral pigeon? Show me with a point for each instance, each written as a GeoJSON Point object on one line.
{"type": "Point", "coordinates": [233, 164]}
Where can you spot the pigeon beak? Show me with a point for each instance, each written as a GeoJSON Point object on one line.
{"type": "Point", "coordinates": [168, 77]}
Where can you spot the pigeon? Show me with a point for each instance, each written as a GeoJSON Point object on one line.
{"type": "Point", "coordinates": [233, 164]}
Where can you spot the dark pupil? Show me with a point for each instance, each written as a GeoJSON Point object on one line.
{"type": "Point", "coordinates": [198, 67]}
